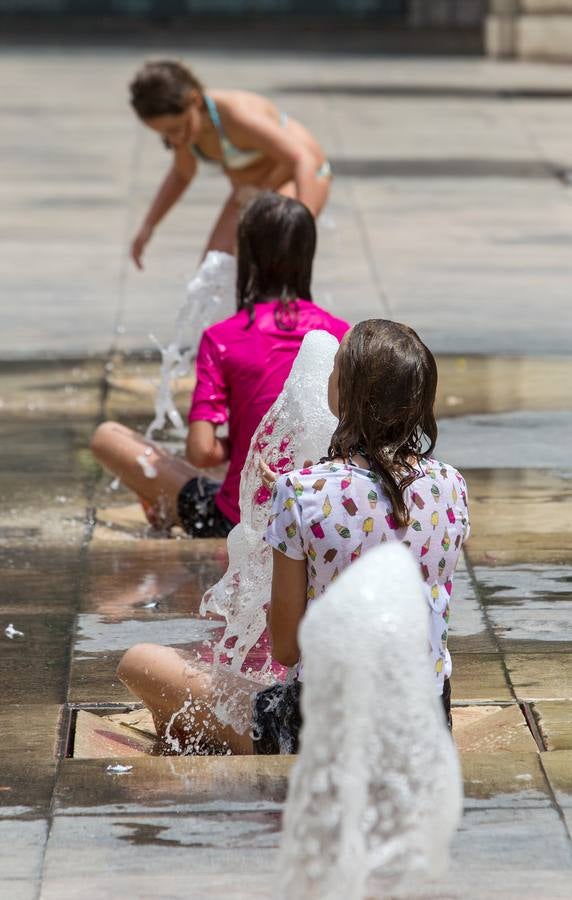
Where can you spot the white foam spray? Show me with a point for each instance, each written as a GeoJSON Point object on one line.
{"type": "Point", "coordinates": [210, 298]}
{"type": "Point", "coordinates": [375, 795]}
{"type": "Point", "coordinates": [297, 428]}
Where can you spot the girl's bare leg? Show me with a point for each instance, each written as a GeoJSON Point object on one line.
{"type": "Point", "coordinates": [180, 698]}
{"type": "Point", "coordinates": [223, 235]}
{"type": "Point", "coordinates": [129, 455]}
{"type": "Point", "coordinates": [320, 193]}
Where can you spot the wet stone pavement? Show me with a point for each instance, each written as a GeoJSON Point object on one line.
{"type": "Point", "coordinates": [83, 578]}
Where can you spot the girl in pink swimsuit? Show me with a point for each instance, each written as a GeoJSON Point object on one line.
{"type": "Point", "coordinates": [241, 366]}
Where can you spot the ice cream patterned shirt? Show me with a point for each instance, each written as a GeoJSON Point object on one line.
{"type": "Point", "coordinates": [332, 513]}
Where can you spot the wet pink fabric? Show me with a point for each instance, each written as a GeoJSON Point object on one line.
{"type": "Point", "coordinates": [242, 368]}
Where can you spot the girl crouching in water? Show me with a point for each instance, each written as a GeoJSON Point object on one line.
{"type": "Point", "coordinates": [378, 483]}
{"type": "Point", "coordinates": [241, 367]}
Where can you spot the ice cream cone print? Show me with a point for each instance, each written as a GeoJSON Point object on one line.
{"type": "Point", "coordinates": [424, 572]}
{"type": "Point", "coordinates": [356, 553]}
{"type": "Point", "coordinates": [349, 506]}
{"type": "Point", "coordinates": [451, 515]}
{"type": "Point", "coordinates": [416, 525]}
{"type": "Point", "coordinates": [298, 489]}
{"type": "Point", "coordinates": [431, 473]}
{"type": "Point", "coordinates": [330, 554]}
{"type": "Point", "coordinates": [343, 531]}
{"type": "Point", "coordinates": [317, 530]}
{"type": "Point", "coordinates": [282, 546]}
{"type": "Point", "coordinates": [383, 538]}
{"type": "Point", "coordinates": [435, 519]}
{"type": "Point", "coordinates": [442, 564]}
{"type": "Point", "coordinates": [448, 587]}
{"type": "Point", "coordinates": [311, 551]}
{"type": "Point", "coordinates": [436, 493]}
{"type": "Point", "coordinates": [318, 485]}
{"type": "Point", "coordinates": [272, 518]}
{"type": "Point", "coordinates": [311, 592]}
{"type": "Point", "coordinates": [291, 530]}
{"type": "Point", "coordinates": [372, 498]}
{"type": "Point", "coordinates": [367, 526]}
{"type": "Point", "coordinates": [439, 666]}
{"type": "Point", "coordinates": [313, 572]}
{"type": "Point", "coordinates": [446, 542]}
{"type": "Point", "coordinates": [454, 494]}
{"type": "Point", "coordinates": [425, 547]}
{"type": "Point", "coordinates": [443, 471]}
{"type": "Point", "coordinates": [326, 507]}
{"type": "Point", "coordinates": [289, 503]}
{"type": "Point", "coordinates": [418, 501]}
{"type": "Point", "coordinates": [446, 615]}
{"type": "Point", "coordinates": [336, 573]}
{"type": "Point", "coordinates": [435, 592]}
{"type": "Point", "coordinates": [346, 481]}
{"type": "Point", "coordinates": [390, 520]}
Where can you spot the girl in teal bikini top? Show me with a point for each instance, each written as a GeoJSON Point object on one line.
{"type": "Point", "coordinates": [171, 101]}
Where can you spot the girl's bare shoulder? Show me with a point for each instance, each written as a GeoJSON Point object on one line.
{"type": "Point", "coordinates": [236, 106]}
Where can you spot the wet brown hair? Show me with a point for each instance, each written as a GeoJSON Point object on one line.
{"type": "Point", "coordinates": [387, 385]}
{"type": "Point", "coordinates": [276, 245]}
{"type": "Point", "coordinates": [162, 88]}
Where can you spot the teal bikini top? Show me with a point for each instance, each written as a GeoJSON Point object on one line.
{"type": "Point", "coordinates": [232, 156]}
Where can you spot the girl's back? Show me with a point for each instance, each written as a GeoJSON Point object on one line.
{"type": "Point", "coordinates": [241, 369]}
{"type": "Point", "coordinates": [333, 512]}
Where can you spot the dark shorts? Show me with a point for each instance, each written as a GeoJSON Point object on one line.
{"type": "Point", "coordinates": [198, 513]}
{"type": "Point", "coordinates": [277, 718]}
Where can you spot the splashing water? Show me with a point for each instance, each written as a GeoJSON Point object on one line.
{"type": "Point", "coordinates": [210, 298]}
{"type": "Point", "coordinates": [298, 427]}
{"type": "Point", "coordinates": [375, 794]}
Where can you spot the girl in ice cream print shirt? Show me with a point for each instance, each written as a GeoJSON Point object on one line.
{"type": "Point", "coordinates": [379, 483]}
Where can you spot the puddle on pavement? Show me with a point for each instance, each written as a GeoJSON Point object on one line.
{"type": "Point", "coordinates": [39, 581]}
{"type": "Point", "coordinates": [33, 667]}
{"type": "Point", "coordinates": [48, 389]}
{"type": "Point", "coordinates": [519, 515]}
{"type": "Point", "coordinates": [494, 384]}
{"type": "Point", "coordinates": [150, 578]}
{"type": "Point", "coordinates": [189, 783]}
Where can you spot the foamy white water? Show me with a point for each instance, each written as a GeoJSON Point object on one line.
{"type": "Point", "coordinates": [376, 794]}
{"type": "Point", "coordinates": [298, 427]}
{"type": "Point", "coordinates": [211, 297]}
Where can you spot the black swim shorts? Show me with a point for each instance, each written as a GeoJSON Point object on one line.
{"type": "Point", "coordinates": [198, 513]}
{"type": "Point", "coordinates": [277, 719]}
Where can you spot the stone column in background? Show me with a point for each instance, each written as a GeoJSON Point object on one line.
{"type": "Point", "coordinates": [530, 29]}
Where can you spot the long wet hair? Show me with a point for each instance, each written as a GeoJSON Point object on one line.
{"type": "Point", "coordinates": [276, 246]}
{"type": "Point", "coordinates": [387, 385]}
{"type": "Point", "coordinates": [163, 88]}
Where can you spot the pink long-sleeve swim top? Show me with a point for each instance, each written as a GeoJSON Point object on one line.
{"type": "Point", "coordinates": [241, 368]}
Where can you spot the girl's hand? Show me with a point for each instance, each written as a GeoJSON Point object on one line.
{"type": "Point", "coordinates": [268, 476]}
{"type": "Point", "coordinates": [140, 241]}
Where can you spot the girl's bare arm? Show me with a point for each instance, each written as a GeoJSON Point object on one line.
{"type": "Point", "coordinates": [287, 606]}
{"type": "Point", "coordinates": [258, 132]}
{"type": "Point", "coordinates": [204, 449]}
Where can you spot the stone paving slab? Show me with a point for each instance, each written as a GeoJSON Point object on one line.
{"type": "Point", "coordinates": [541, 676]}
{"type": "Point", "coordinates": [554, 720]}
{"type": "Point", "coordinates": [478, 677]}
{"type": "Point", "coordinates": [507, 520]}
